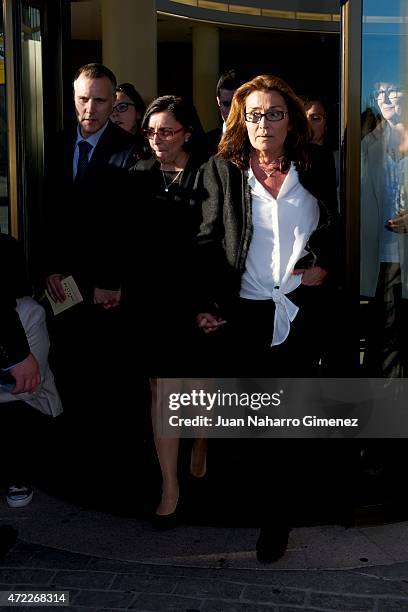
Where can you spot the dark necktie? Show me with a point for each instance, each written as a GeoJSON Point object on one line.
{"type": "Point", "coordinates": [84, 149]}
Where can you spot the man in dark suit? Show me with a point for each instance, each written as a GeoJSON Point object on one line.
{"type": "Point", "coordinates": [227, 84]}
{"type": "Point", "coordinates": [87, 200]}
{"type": "Point", "coordinates": [85, 178]}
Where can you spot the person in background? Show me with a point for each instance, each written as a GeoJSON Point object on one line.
{"type": "Point", "coordinates": [317, 113]}
{"type": "Point", "coordinates": [86, 207]}
{"type": "Point", "coordinates": [228, 82]}
{"type": "Point", "coordinates": [171, 215]}
{"type": "Point", "coordinates": [20, 376]}
{"type": "Point", "coordinates": [384, 233]}
{"type": "Point", "coordinates": [127, 113]}
{"type": "Point", "coordinates": [85, 164]}
{"type": "Point", "coordinates": [268, 246]}
{"type": "Point", "coordinates": [17, 364]}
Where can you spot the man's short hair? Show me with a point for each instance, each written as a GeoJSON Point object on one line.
{"type": "Point", "coordinates": [229, 80]}
{"type": "Point", "coordinates": [96, 71]}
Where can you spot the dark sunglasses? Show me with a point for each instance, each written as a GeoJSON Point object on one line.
{"type": "Point", "coordinates": [122, 107]}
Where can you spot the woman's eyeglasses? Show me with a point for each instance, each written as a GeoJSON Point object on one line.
{"type": "Point", "coordinates": [274, 115]}
{"type": "Point", "coordinates": [163, 133]}
{"type": "Point", "coordinates": [122, 107]}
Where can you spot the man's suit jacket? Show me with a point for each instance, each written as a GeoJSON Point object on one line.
{"type": "Point", "coordinates": [13, 342]}
{"type": "Point", "coordinates": [84, 217]}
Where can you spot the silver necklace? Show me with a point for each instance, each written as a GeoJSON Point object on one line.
{"type": "Point", "coordinates": [168, 185]}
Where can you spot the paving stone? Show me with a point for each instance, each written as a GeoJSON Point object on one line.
{"type": "Point", "coordinates": [398, 571]}
{"type": "Point", "coordinates": [209, 588]}
{"type": "Point", "coordinates": [116, 566]}
{"type": "Point", "coordinates": [26, 576]}
{"type": "Point", "coordinates": [392, 605]}
{"type": "Point", "coordinates": [28, 546]}
{"type": "Point", "coordinates": [338, 581]}
{"type": "Point", "coordinates": [223, 606]}
{"type": "Point", "coordinates": [76, 609]}
{"type": "Point", "coordinates": [16, 558]}
{"type": "Point", "coordinates": [330, 601]}
{"type": "Point", "coordinates": [58, 559]}
{"type": "Point", "coordinates": [168, 603]}
{"type": "Point", "coordinates": [302, 609]}
{"type": "Point", "coordinates": [144, 584]}
{"type": "Point", "coordinates": [179, 570]}
{"type": "Point", "coordinates": [273, 595]}
{"type": "Point", "coordinates": [82, 579]}
{"type": "Point", "coordinates": [109, 599]}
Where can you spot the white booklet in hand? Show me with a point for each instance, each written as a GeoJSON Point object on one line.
{"type": "Point", "coordinates": [72, 296]}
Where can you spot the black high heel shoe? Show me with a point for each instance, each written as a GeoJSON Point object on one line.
{"type": "Point", "coordinates": [272, 543]}
{"type": "Point", "coordinates": [164, 522]}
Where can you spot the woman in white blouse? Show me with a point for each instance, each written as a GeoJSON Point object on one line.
{"type": "Point", "coordinates": [268, 237]}
{"type": "Point", "coordinates": [267, 249]}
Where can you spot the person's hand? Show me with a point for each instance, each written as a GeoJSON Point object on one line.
{"type": "Point", "coordinates": [399, 224]}
{"type": "Point", "coordinates": [27, 375]}
{"type": "Point", "coordinates": [107, 298]}
{"type": "Point", "coordinates": [311, 276]}
{"type": "Point", "coordinates": [208, 322]}
{"type": "Point", "coordinates": [55, 288]}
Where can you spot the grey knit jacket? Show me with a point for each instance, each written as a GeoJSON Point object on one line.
{"type": "Point", "coordinates": [226, 229]}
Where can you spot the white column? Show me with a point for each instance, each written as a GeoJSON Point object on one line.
{"type": "Point", "coordinates": [206, 73]}
{"type": "Point", "coordinates": [129, 43]}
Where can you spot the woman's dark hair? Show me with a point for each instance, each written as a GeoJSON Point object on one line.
{"type": "Point", "coordinates": [134, 95]}
{"type": "Point", "coordinates": [185, 113]}
{"type": "Point", "coordinates": [330, 137]}
{"type": "Point", "coordinates": [235, 145]}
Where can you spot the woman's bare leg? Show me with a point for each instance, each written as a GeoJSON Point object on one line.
{"type": "Point", "coordinates": [167, 452]}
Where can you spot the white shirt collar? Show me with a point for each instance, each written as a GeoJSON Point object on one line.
{"type": "Point", "coordinates": [290, 181]}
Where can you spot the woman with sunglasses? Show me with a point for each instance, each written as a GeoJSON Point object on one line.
{"type": "Point", "coordinates": [175, 137]}
{"type": "Point", "coordinates": [267, 250]}
{"type": "Point", "coordinates": [128, 112]}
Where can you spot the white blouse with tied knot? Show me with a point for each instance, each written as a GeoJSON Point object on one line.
{"type": "Point", "coordinates": [281, 229]}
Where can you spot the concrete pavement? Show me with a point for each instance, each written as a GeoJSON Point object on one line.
{"type": "Point", "coordinates": [110, 562]}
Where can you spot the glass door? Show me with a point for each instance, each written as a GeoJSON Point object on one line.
{"type": "Point", "coordinates": [4, 199]}
{"type": "Point", "coordinates": [384, 189]}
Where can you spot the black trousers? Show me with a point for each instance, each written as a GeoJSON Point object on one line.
{"type": "Point", "coordinates": [287, 480]}
{"type": "Point", "coordinates": [242, 347]}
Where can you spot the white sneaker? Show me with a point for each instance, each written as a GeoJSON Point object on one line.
{"type": "Point", "coordinates": [18, 496]}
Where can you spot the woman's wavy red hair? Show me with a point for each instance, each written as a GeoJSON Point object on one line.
{"type": "Point", "coordinates": [235, 145]}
